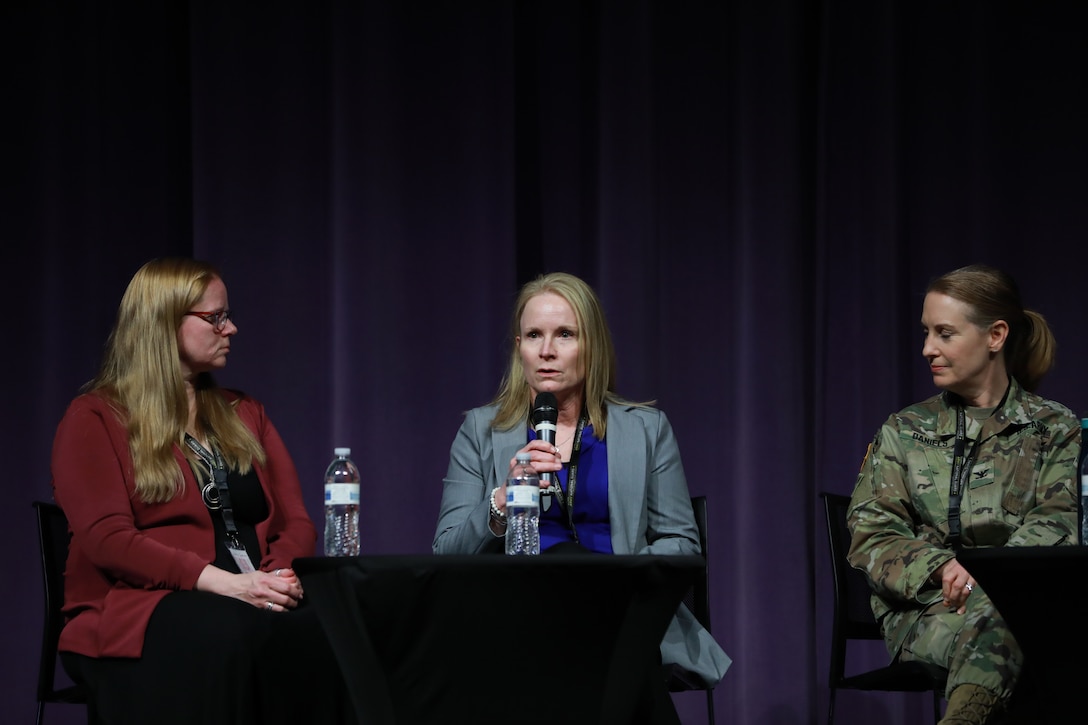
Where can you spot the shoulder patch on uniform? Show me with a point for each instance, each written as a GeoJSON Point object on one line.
{"type": "Point", "coordinates": [868, 452]}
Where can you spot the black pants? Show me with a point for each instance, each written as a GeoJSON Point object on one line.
{"type": "Point", "coordinates": [213, 659]}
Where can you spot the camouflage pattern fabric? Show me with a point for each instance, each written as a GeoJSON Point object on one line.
{"type": "Point", "coordinates": [975, 647]}
{"type": "Point", "coordinates": [1021, 493]}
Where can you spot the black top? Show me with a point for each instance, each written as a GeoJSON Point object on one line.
{"type": "Point", "coordinates": [250, 508]}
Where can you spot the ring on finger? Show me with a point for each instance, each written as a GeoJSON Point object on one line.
{"type": "Point", "coordinates": [269, 605]}
{"type": "Point", "coordinates": [969, 587]}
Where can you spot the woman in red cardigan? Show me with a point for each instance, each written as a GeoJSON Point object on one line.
{"type": "Point", "coordinates": [186, 513]}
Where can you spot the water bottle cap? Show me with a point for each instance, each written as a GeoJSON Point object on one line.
{"type": "Point", "coordinates": [1084, 422]}
{"type": "Point", "coordinates": [523, 458]}
{"type": "Point", "coordinates": [345, 452]}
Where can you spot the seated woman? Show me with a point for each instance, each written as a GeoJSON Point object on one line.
{"type": "Point", "coordinates": [621, 485]}
{"type": "Point", "coordinates": [985, 463]}
{"type": "Point", "coordinates": [186, 513]}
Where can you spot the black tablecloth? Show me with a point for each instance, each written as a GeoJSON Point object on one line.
{"type": "Point", "coordinates": [479, 639]}
{"type": "Point", "coordinates": [1040, 593]}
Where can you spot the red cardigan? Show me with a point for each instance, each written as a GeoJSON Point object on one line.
{"type": "Point", "coordinates": [126, 555]}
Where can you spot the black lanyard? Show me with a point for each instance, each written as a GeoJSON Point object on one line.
{"type": "Point", "coordinates": [215, 493]}
{"type": "Point", "coordinates": [566, 503]}
{"type": "Point", "coordinates": [961, 469]}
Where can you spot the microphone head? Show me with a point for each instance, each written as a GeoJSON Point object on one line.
{"type": "Point", "coordinates": [545, 409]}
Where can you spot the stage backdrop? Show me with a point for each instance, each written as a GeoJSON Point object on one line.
{"type": "Point", "coordinates": [758, 190]}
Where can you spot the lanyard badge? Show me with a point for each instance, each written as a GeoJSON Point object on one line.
{"type": "Point", "coordinates": [216, 496]}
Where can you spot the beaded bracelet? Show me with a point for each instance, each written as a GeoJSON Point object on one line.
{"type": "Point", "coordinates": [499, 516]}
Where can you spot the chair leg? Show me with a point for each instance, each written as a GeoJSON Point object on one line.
{"type": "Point", "coordinates": [936, 706]}
{"type": "Point", "coordinates": [41, 711]}
{"type": "Point", "coordinates": [831, 708]}
{"type": "Point", "coordinates": [710, 706]}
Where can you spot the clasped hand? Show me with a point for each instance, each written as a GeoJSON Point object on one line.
{"type": "Point", "coordinates": [276, 591]}
{"type": "Point", "coordinates": [281, 589]}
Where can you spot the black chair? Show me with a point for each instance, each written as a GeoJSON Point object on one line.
{"type": "Point", "coordinates": [53, 541]}
{"type": "Point", "coordinates": [853, 620]}
{"type": "Point", "coordinates": [698, 601]}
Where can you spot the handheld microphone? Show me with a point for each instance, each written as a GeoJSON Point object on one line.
{"type": "Point", "coordinates": [545, 416]}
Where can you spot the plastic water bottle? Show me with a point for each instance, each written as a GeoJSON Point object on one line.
{"type": "Point", "coordinates": [1082, 501]}
{"type": "Point", "coordinates": [523, 509]}
{"type": "Point", "coordinates": [342, 506]}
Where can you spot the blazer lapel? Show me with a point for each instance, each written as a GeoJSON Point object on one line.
{"type": "Point", "coordinates": [626, 477]}
{"type": "Point", "coordinates": [505, 443]}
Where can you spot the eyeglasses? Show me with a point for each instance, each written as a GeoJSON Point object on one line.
{"type": "Point", "coordinates": [217, 319]}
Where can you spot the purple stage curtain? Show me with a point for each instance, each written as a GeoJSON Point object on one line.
{"type": "Point", "coordinates": [759, 191]}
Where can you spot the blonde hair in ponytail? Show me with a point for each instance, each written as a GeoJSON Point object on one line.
{"type": "Point", "coordinates": [993, 295]}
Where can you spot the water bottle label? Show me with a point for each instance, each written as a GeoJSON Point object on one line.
{"type": "Point", "coordinates": [523, 495]}
{"type": "Point", "coordinates": [337, 494]}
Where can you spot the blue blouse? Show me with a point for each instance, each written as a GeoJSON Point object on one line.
{"type": "Point", "coordinates": [590, 500]}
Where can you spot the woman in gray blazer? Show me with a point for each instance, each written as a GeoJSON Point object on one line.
{"type": "Point", "coordinates": [621, 483]}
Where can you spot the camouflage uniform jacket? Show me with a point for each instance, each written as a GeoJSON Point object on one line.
{"type": "Point", "coordinates": [1021, 493]}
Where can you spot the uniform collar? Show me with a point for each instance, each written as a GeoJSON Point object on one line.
{"type": "Point", "coordinates": [1012, 412]}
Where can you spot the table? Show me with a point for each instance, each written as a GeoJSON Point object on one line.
{"type": "Point", "coordinates": [430, 639]}
{"type": "Point", "coordinates": [1038, 591]}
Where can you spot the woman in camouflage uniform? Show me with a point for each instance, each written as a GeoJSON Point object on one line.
{"type": "Point", "coordinates": [1012, 457]}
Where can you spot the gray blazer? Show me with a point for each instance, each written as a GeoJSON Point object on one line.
{"type": "Point", "coordinates": [649, 507]}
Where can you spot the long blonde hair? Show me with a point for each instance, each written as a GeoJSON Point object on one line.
{"type": "Point", "coordinates": [595, 353]}
{"type": "Point", "coordinates": [141, 375]}
{"type": "Point", "coordinates": [993, 295]}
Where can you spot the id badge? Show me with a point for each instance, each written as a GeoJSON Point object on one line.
{"type": "Point", "coordinates": [241, 558]}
